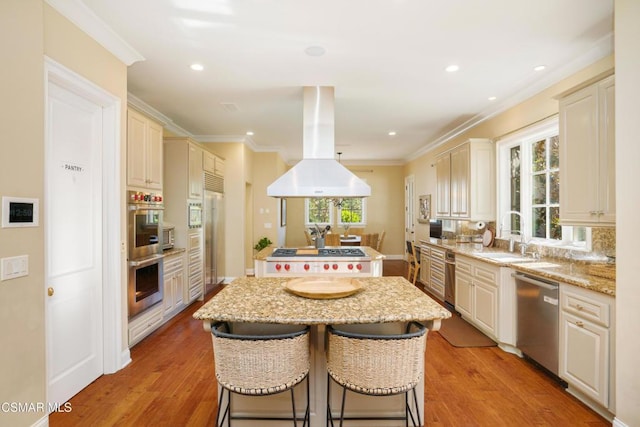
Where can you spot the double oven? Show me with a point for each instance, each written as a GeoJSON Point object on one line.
{"type": "Point", "coordinates": [145, 251]}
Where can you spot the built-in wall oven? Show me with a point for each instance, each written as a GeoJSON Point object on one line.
{"type": "Point", "coordinates": [145, 251]}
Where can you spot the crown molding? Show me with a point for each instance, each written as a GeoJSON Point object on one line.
{"type": "Point", "coordinates": [141, 106]}
{"type": "Point", "coordinates": [599, 50]}
{"type": "Point", "coordinates": [85, 19]}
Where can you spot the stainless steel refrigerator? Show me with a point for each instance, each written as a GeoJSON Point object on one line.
{"type": "Point", "coordinates": [213, 239]}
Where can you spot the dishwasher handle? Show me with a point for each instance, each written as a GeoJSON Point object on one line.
{"type": "Point", "coordinates": [535, 282]}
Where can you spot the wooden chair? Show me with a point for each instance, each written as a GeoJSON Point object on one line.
{"type": "Point", "coordinates": [380, 240]}
{"type": "Point", "coordinates": [332, 239]}
{"type": "Point", "coordinates": [369, 239]}
{"type": "Point", "coordinates": [356, 231]}
{"type": "Point", "coordinates": [307, 235]}
{"type": "Point", "coordinates": [414, 262]}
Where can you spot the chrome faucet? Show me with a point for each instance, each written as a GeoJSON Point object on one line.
{"type": "Point", "coordinates": [523, 246]}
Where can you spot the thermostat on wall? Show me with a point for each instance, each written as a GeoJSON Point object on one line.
{"type": "Point", "coordinates": [19, 212]}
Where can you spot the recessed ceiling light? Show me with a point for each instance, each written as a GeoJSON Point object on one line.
{"type": "Point", "coordinates": [539, 68]}
{"type": "Point", "coordinates": [452, 68]}
{"type": "Point", "coordinates": [392, 133]}
{"type": "Point", "coordinates": [197, 67]}
{"type": "Point", "coordinates": [249, 133]}
{"type": "Point", "coordinates": [315, 51]}
{"type": "Point", "coordinates": [492, 98]}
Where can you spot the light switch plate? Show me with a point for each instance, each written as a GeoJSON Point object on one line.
{"type": "Point", "coordinates": [14, 267]}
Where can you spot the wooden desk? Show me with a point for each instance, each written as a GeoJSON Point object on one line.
{"type": "Point", "coordinates": [386, 302]}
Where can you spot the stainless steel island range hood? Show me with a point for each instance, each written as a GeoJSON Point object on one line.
{"type": "Point", "coordinates": [318, 174]}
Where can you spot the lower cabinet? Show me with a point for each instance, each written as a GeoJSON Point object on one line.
{"type": "Point", "coordinates": [587, 343]}
{"type": "Point", "coordinates": [145, 323]}
{"type": "Point", "coordinates": [425, 266]}
{"type": "Point", "coordinates": [195, 265]}
{"type": "Point", "coordinates": [436, 271]}
{"type": "Point", "coordinates": [477, 294]}
{"type": "Point", "coordinates": [173, 284]}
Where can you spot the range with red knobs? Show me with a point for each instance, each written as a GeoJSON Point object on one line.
{"type": "Point", "coordinates": [314, 262]}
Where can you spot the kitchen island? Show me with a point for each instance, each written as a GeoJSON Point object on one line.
{"type": "Point", "coordinates": [385, 303]}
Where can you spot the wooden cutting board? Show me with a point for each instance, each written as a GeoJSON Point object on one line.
{"type": "Point", "coordinates": [323, 287]}
{"type": "Point", "coordinates": [307, 252]}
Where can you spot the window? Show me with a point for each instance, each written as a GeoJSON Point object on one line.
{"type": "Point", "coordinates": [529, 187]}
{"type": "Point", "coordinates": [349, 211]}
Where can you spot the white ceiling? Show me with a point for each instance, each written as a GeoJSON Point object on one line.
{"type": "Point", "coordinates": [385, 58]}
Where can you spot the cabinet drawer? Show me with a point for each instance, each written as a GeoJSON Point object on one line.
{"type": "Point", "coordinates": [437, 277]}
{"type": "Point", "coordinates": [485, 275]}
{"type": "Point", "coordinates": [437, 288]}
{"type": "Point", "coordinates": [438, 266]}
{"type": "Point", "coordinates": [437, 253]}
{"type": "Point", "coordinates": [195, 241]}
{"type": "Point", "coordinates": [145, 324]}
{"type": "Point", "coordinates": [462, 267]}
{"type": "Point", "coordinates": [586, 307]}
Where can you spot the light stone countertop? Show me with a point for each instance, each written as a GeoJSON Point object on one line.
{"type": "Point", "coordinates": [563, 270]}
{"type": "Point", "coordinates": [265, 300]}
{"type": "Point", "coordinates": [375, 255]}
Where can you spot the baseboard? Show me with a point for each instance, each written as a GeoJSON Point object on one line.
{"type": "Point", "coordinates": [42, 422]}
{"type": "Point", "coordinates": [618, 423]}
{"type": "Point", "coordinates": [125, 358]}
{"type": "Point", "coordinates": [604, 412]}
{"type": "Point", "coordinates": [394, 257]}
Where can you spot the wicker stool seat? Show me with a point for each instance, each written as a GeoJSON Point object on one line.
{"type": "Point", "coordinates": [259, 365]}
{"type": "Point", "coordinates": [376, 365]}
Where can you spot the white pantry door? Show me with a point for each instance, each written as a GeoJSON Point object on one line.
{"type": "Point", "coordinates": [73, 200]}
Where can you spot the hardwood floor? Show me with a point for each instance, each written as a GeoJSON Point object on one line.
{"type": "Point", "coordinates": [171, 382]}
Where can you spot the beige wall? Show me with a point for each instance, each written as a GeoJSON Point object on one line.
{"type": "Point", "coordinates": [22, 359]}
{"type": "Point", "coordinates": [534, 109]}
{"type": "Point", "coordinates": [29, 29]}
{"type": "Point", "coordinates": [385, 208]}
{"type": "Point", "coordinates": [627, 18]}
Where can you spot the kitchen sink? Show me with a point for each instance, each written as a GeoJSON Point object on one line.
{"type": "Point", "coordinates": [505, 257]}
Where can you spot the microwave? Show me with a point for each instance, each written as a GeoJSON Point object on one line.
{"type": "Point", "coordinates": [168, 236]}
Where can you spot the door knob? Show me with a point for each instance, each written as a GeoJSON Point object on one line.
{"type": "Point", "coordinates": [50, 291]}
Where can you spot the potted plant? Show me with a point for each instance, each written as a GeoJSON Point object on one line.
{"type": "Point", "coordinates": [262, 243]}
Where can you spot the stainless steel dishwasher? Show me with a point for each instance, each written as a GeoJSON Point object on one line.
{"type": "Point", "coordinates": [450, 279]}
{"type": "Point", "coordinates": [538, 320]}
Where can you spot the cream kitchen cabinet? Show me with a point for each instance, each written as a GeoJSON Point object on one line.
{"type": "Point", "coordinates": [587, 155]}
{"type": "Point", "coordinates": [587, 344]}
{"type": "Point", "coordinates": [465, 182]}
{"type": "Point", "coordinates": [436, 271]}
{"type": "Point", "coordinates": [425, 266]}
{"type": "Point", "coordinates": [144, 151]}
{"type": "Point", "coordinates": [147, 322]}
{"type": "Point", "coordinates": [174, 290]}
{"type": "Point", "coordinates": [477, 285]}
{"type": "Point", "coordinates": [195, 265]}
{"type": "Point", "coordinates": [213, 164]}
{"type": "Point", "coordinates": [196, 177]}
{"type": "Point", "coordinates": [184, 168]}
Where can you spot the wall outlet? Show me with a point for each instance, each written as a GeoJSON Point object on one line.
{"type": "Point", "coordinates": [14, 267]}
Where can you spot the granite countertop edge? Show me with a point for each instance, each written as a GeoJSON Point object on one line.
{"type": "Point", "coordinates": [566, 271]}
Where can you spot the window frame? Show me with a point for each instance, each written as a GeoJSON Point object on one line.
{"type": "Point", "coordinates": [335, 214]}
{"type": "Point", "coordinates": [524, 138]}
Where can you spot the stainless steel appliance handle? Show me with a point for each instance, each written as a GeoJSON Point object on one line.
{"type": "Point", "coordinates": [145, 262]}
{"type": "Point", "coordinates": [534, 282]}
{"type": "Point", "coordinates": [145, 208]}
{"type": "Point", "coordinates": [450, 262]}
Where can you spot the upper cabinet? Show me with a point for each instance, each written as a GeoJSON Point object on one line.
{"type": "Point", "coordinates": [144, 151]}
{"type": "Point", "coordinates": [195, 172]}
{"type": "Point", "coordinates": [213, 164]}
{"type": "Point", "coordinates": [466, 182]}
{"type": "Point", "coordinates": [587, 155]}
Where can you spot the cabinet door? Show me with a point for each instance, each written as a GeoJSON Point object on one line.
{"type": "Point", "coordinates": [443, 178]}
{"type": "Point", "coordinates": [606, 154]}
{"type": "Point", "coordinates": [209, 162]}
{"type": "Point", "coordinates": [485, 313]}
{"type": "Point", "coordinates": [578, 157]}
{"type": "Point", "coordinates": [178, 289]}
{"type": "Point", "coordinates": [584, 357]}
{"type": "Point", "coordinates": [464, 295]}
{"type": "Point", "coordinates": [425, 269]}
{"type": "Point", "coordinates": [154, 156]}
{"type": "Point", "coordinates": [169, 296]}
{"type": "Point", "coordinates": [195, 172]}
{"type": "Point", "coordinates": [460, 182]}
{"type": "Point", "coordinates": [136, 149]}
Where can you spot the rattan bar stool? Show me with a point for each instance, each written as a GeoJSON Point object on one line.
{"type": "Point", "coordinates": [259, 365]}
{"type": "Point", "coordinates": [376, 365]}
